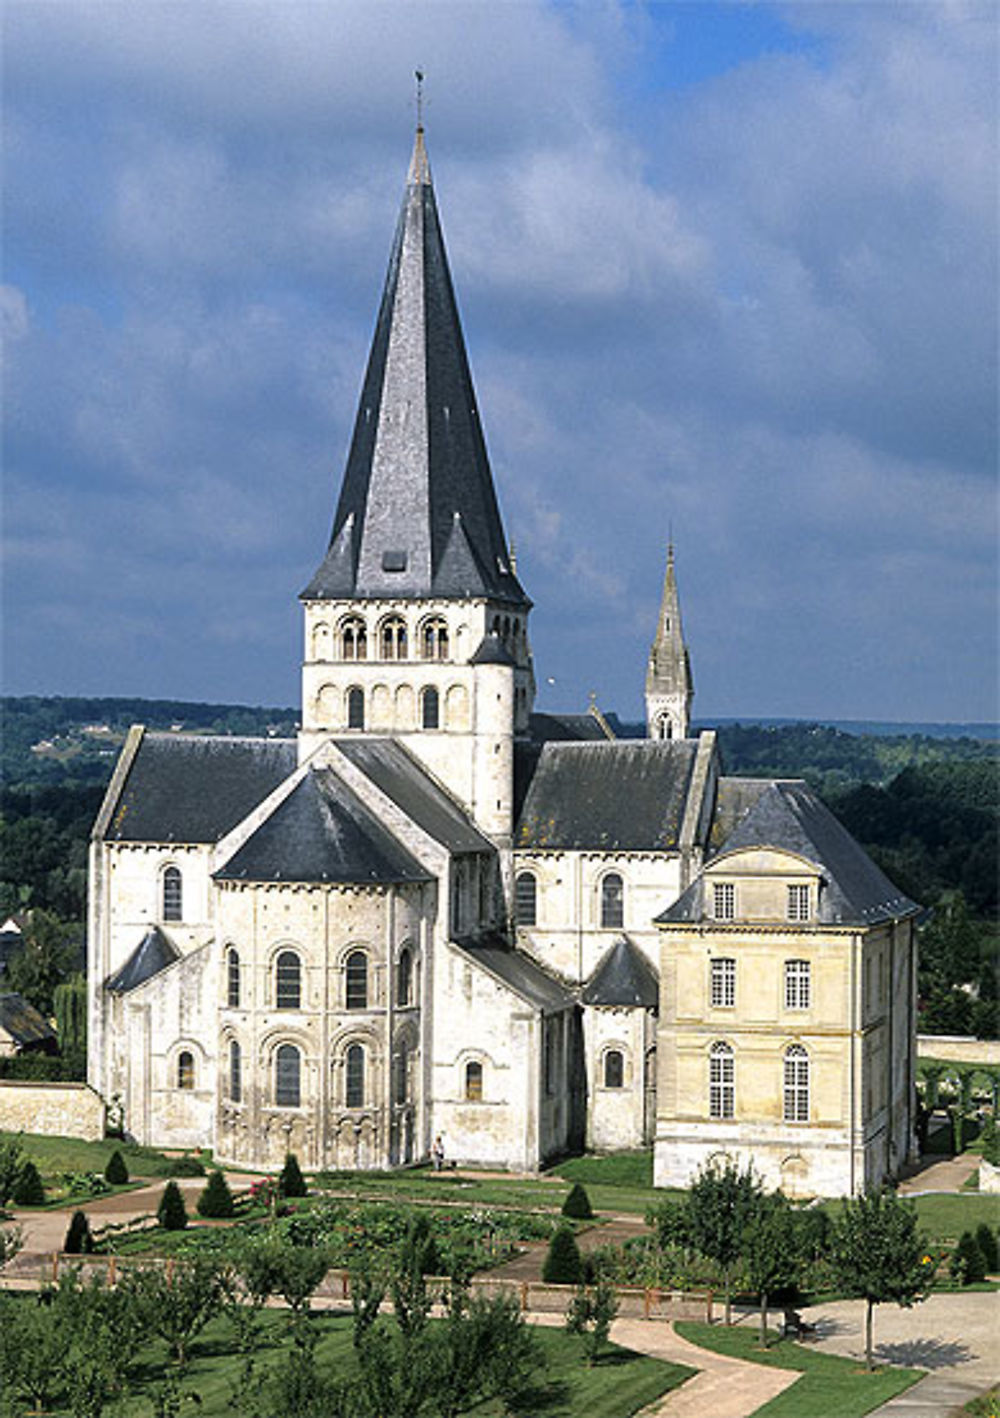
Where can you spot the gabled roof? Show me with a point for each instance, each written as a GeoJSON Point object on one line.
{"type": "Point", "coordinates": [788, 816]}
{"type": "Point", "coordinates": [153, 953]}
{"type": "Point", "coordinates": [23, 1022]}
{"type": "Point", "coordinates": [517, 971]}
{"type": "Point", "coordinates": [624, 978]}
{"type": "Point", "coordinates": [195, 788]}
{"type": "Point", "coordinates": [566, 728]}
{"type": "Point", "coordinates": [418, 514]}
{"type": "Point", "coordinates": [395, 772]}
{"type": "Point", "coordinates": [322, 832]}
{"type": "Point", "coordinates": [627, 795]}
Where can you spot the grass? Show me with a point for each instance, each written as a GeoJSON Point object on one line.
{"type": "Point", "coordinates": [944, 1217]}
{"type": "Point", "coordinates": [831, 1385]}
{"type": "Point", "coordinates": [55, 1155]}
{"type": "Point", "coordinates": [987, 1405]}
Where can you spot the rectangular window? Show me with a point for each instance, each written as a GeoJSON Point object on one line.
{"type": "Point", "coordinates": [798, 903]}
{"type": "Point", "coordinates": [721, 1082]}
{"type": "Point", "coordinates": [797, 984]}
{"type": "Point", "coordinates": [723, 984]}
{"type": "Point", "coordinates": [724, 901]}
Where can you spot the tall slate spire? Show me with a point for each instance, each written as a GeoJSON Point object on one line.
{"type": "Point", "coordinates": [669, 686]}
{"type": "Point", "coordinates": [417, 515]}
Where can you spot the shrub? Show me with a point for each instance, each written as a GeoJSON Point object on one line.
{"type": "Point", "coordinates": [577, 1204]}
{"type": "Point", "coordinates": [28, 1189]}
{"type": "Point", "coordinates": [78, 1240]}
{"type": "Point", "coordinates": [172, 1213]}
{"type": "Point", "coordinates": [967, 1264]}
{"type": "Point", "coordinates": [116, 1171]}
{"type": "Point", "coordinates": [186, 1166]}
{"type": "Point", "coordinates": [292, 1182]}
{"type": "Point", "coordinates": [216, 1199]}
{"type": "Point", "coordinates": [987, 1243]}
{"type": "Point", "coordinates": [991, 1142]}
{"type": "Point", "coordinates": [563, 1263]}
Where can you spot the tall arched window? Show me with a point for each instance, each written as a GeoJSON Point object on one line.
{"type": "Point", "coordinates": [173, 895]}
{"type": "Point", "coordinates": [721, 1081]}
{"type": "Point", "coordinates": [434, 639]}
{"type": "Point", "coordinates": [404, 977]}
{"type": "Point", "coordinates": [356, 980]}
{"type": "Point", "coordinates": [288, 981]}
{"type": "Point", "coordinates": [235, 1072]}
{"type": "Point", "coordinates": [430, 709]}
{"type": "Point", "coordinates": [612, 901]}
{"type": "Point", "coordinates": [614, 1069]}
{"type": "Point", "coordinates": [354, 1077]}
{"type": "Point", "coordinates": [233, 978]}
{"type": "Point", "coordinates": [185, 1069]}
{"type": "Point", "coordinates": [287, 1076]}
{"type": "Point", "coordinates": [355, 708]}
{"type": "Point", "coordinates": [401, 1074]}
{"type": "Point", "coordinates": [353, 638]}
{"type": "Point", "coordinates": [526, 898]}
{"type": "Point", "coordinates": [796, 1085]}
{"type": "Point", "coordinates": [473, 1082]}
{"type": "Point", "coordinates": [392, 638]}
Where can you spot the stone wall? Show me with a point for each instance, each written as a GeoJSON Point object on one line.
{"type": "Point", "coordinates": [957, 1048]}
{"type": "Point", "coordinates": [53, 1109]}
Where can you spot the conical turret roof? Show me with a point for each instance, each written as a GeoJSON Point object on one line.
{"type": "Point", "coordinates": [418, 514]}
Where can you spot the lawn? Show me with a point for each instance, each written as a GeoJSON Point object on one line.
{"type": "Point", "coordinates": [55, 1155]}
{"type": "Point", "coordinates": [987, 1405]}
{"type": "Point", "coordinates": [943, 1216]}
{"type": "Point", "coordinates": [830, 1385]}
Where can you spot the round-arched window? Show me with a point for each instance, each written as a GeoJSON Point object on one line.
{"type": "Point", "coordinates": [185, 1069]}
{"type": "Point", "coordinates": [612, 901]}
{"type": "Point", "coordinates": [404, 977]}
{"type": "Point", "coordinates": [235, 1072]}
{"type": "Point", "coordinates": [353, 639]}
{"type": "Point", "coordinates": [356, 980]}
{"type": "Point", "coordinates": [473, 1082]}
{"type": "Point", "coordinates": [614, 1069]}
{"type": "Point", "coordinates": [288, 981]}
{"type": "Point", "coordinates": [526, 898]}
{"type": "Point", "coordinates": [430, 709]}
{"type": "Point", "coordinates": [434, 639]}
{"type": "Point", "coordinates": [354, 1076]}
{"type": "Point", "coordinates": [233, 978]}
{"type": "Point", "coordinates": [355, 708]}
{"type": "Point", "coordinates": [173, 895]}
{"type": "Point", "coordinates": [287, 1076]}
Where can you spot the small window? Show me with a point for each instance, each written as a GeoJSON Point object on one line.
{"type": "Point", "coordinates": [798, 903]}
{"type": "Point", "coordinates": [233, 979]}
{"type": "Point", "coordinates": [473, 1082]}
{"type": "Point", "coordinates": [724, 901]}
{"type": "Point", "coordinates": [526, 899]}
{"type": "Point", "coordinates": [404, 977]}
{"type": "Point", "coordinates": [173, 895]}
{"type": "Point", "coordinates": [612, 902]}
{"type": "Point", "coordinates": [393, 638]}
{"type": "Point", "coordinates": [797, 984]}
{"type": "Point", "coordinates": [354, 1070]}
{"type": "Point", "coordinates": [796, 1085]}
{"type": "Point", "coordinates": [353, 639]}
{"type": "Point", "coordinates": [721, 1081]}
{"type": "Point", "coordinates": [235, 1072]}
{"type": "Point", "coordinates": [723, 983]}
{"type": "Point", "coordinates": [287, 1076]}
{"type": "Point", "coordinates": [614, 1069]}
{"type": "Point", "coordinates": [401, 1075]}
{"type": "Point", "coordinates": [430, 709]}
{"type": "Point", "coordinates": [355, 708]}
{"type": "Point", "coordinates": [185, 1069]}
{"type": "Point", "coordinates": [434, 640]}
{"type": "Point", "coordinates": [356, 980]}
{"type": "Point", "coordinates": [288, 981]}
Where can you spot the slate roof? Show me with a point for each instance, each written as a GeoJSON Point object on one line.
{"type": "Point", "coordinates": [196, 788]}
{"type": "Point", "coordinates": [492, 651]}
{"type": "Point", "coordinates": [610, 796]}
{"type": "Point", "coordinates": [397, 773]}
{"type": "Point", "coordinates": [322, 832]}
{"type": "Point", "coordinates": [418, 513]}
{"type": "Point", "coordinates": [516, 970]}
{"type": "Point", "coordinates": [624, 978]}
{"type": "Point", "coordinates": [788, 816]}
{"type": "Point", "coordinates": [734, 799]}
{"type": "Point", "coordinates": [25, 1025]}
{"type": "Point", "coordinates": [153, 953]}
{"type": "Point", "coordinates": [567, 728]}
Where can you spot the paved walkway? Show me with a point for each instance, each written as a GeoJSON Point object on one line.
{"type": "Point", "coordinates": [948, 1175]}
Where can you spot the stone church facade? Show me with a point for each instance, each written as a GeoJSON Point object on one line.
{"type": "Point", "coordinates": [439, 914]}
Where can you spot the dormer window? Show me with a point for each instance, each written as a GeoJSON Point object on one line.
{"type": "Point", "coordinates": [798, 903]}
{"type": "Point", "coordinates": [724, 901]}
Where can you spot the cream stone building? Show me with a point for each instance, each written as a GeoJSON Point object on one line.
{"type": "Point", "coordinates": [440, 914]}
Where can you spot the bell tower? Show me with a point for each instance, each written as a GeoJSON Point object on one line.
{"type": "Point", "coordinates": [669, 686]}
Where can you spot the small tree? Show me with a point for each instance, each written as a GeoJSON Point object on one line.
{"type": "Point", "coordinates": [28, 1190]}
{"type": "Point", "coordinates": [11, 1241]}
{"type": "Point", "coordinates": [967, 1265]}
{"type": "Point", "coordinates": [216, 1199]}
{"type": "Point", "coordinates": [116, 1172]}
{"type": "Point", "coordinates": [590, 1314]}
{"type": "Point", "coordinates": [987, 1243]}
{"type": "Point", "coordinates": [171, 1212]}
{"type": "Point", "coordinates": [368, 1286]}
{"type": "Point", "coordinates": [291, 1182]}
{"type": "Point", "coordinates": [78, 1240]}
{"type": "Point", "coordinates": [577, 1204]}
{"type": "Point", "coordinates": [176, 1305]}
{"type": "Point", "coordinates": [563, 1262]}
{"type": "Point", "coordinates": [878, 1254]}
{"type": "Point", "coordinates": [771, 1252]}
{"type": "Point", "coordinates": [721, 1202]}
{"type": "Point", "coordinates": [11, 1162]}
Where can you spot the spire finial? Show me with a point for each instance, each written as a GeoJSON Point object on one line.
{"type": "Point", "coordinates": [418, 74]}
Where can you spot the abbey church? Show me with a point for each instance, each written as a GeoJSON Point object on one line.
{"type": "Point", "coordinates": [439, 914]}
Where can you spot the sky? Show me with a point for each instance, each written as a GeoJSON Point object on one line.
{"type": "Point", "coordinates": [727, 273]}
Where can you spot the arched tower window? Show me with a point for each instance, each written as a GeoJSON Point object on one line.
{"type": "Point", "coordinates": [473, 1082]}
{"type": "Point", "coordinates": [353, 639]}
{"type": "Point", "coordinates": [392, 638]}
{"type": "Point", "coordinates": [356, 980]}
{"type": "Point", "coordinates": [235, 1072]}
{"type": "Point", "coordinates": [355, 708]}
{"type": "Point", "coordinates": [287, 1076]}
{"type": "Point", "coordinates": [434, 639]}
{"type": "Point", "coordinates": [796, 1083]}
{"type": "Point", "coordinates": [526, 898]}
{"type": "Point", "coordinates": [404, 978]}
{"type": "Point", "coordinates": [401, 1074]}
{"type": "Point", "coordinates": [614, 1069]}
{"type": "Point", "coordinates": [185, 1069]}
{"type": "Point", "coordinates": [173, 895]}
{"type": "Point", "coordinates": [430, 709]}
{"type": "Point", "coordinates": [354, 1077]}
{"type": "Point", "coordinates": [233, 978]}
{"type": "Point", "coordinates": [721, 1081]}
{"type": "Point", "coordinates": [612, 901]}
{"type": "Point", "coordinates": [288, 981]}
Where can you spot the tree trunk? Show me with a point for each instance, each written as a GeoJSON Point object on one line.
{"type": "Point", "coordinates": [868, 1334]}
{"type": "Point", "coordinates": [729, 1302]}
{"type": "Point", "coordinates": [763, 1319]}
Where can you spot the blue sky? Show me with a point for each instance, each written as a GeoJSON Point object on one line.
{"type": "Point", "coordinates": [729, 269]}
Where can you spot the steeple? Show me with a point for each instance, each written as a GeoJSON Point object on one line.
{"type": "Point", "coordinates": [417, 515]}
{"type": "Point", "coordinates": [669, 686]}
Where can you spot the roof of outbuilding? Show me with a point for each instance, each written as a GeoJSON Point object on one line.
{"type": "Point", "coordinates": [322, 832]}
{"type": "Point", "coordinates": [611, 796]}
{"type": "Point", "coordinates": [566, 728]}
{"type": "Point", "coordinates": [23, 1022]}
{"type": "Point", "coordinates": [395, 771]}
{"type": "Point", "coordinates": [196, 788]}
{"type": "Point", "coordinates": [153, 953]}
{"type": "Point", "coordinates": [517, 971]}
{"type": "Point", "coordinates": [788, 816]}
{"type": "Point", "coordinates": [624, 978]}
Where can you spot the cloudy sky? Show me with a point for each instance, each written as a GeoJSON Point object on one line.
{"type": "Point", "coordinates": [725, 269]}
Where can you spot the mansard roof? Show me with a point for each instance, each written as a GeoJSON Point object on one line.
{"type": "Point", "coordinates": [624, 978]}
{"type": "Point", "coordinates": [788, 816]}
{"type": "Point", "coordinates": [418, 514]}
{"type": "Point", "coordinates": [626, 795]}
{"type": "Point", "coordinates": [519, 972]}
{"type": "Point", "coordinates": [395, 772]}
{"type": "Point", "coordinates": [193, 788]}
{"type": "Point", "coordinates": [322, 832]}
{"type": "Point", "coordinates": [153, 953]}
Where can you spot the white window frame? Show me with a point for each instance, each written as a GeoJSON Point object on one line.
{"type": "Point", "coordinates": [721, 1081]}
{"type": "Point", "coordinates": [798, 984]}
{"type": "Point", "coordinates": [723, 901]}
{"type": "Point", "coordinates": [723, 982]}
{"type": "Point", "coordinates": [795, 1084]}
{"type": "Point", "coordinates": [798, 906]}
